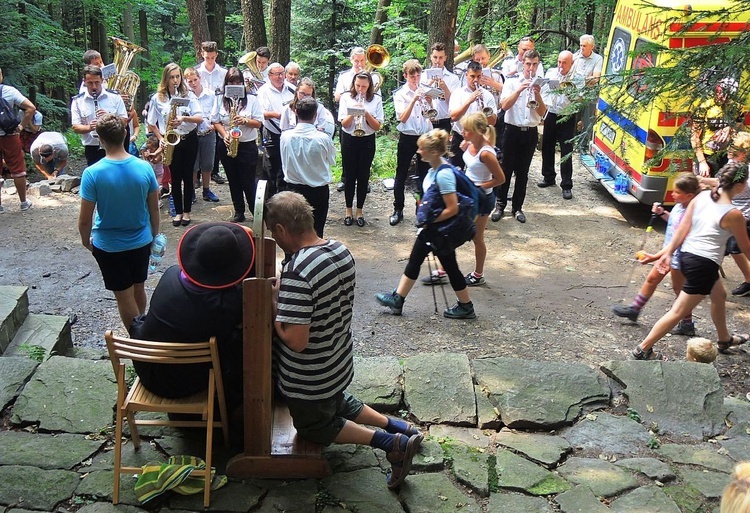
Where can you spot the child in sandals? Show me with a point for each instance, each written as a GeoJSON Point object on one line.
{"type": "Point", "coordinates": [686, 187]}
{"type": "Point", "coordinates": [708, 222]}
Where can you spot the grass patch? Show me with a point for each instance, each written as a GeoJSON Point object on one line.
{"type": "Point", "coordinates": [384, 163]}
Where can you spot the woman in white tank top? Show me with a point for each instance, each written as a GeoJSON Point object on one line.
{"type": "Point", "coordinates": [708, 222]}
{"type": "Point", "coordinates": [483, 169]}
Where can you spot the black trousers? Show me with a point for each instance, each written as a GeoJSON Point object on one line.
{"type": "Point", "coordinates": [357, 154]}
{"type": "Point", "coordinates": [556, 131]}
{"type": "Point", "coordinates": [457, 154]}
{"type": "Point", "coordinates": [93, 154]}
{"type": "Point", "coordinates": [318, 198]}
{"type": "Point", "coordinates": [407, 148]}
{"type": "Point", "coordinates": [183, 160]}
{"type": "Point", "coordinates": [429, 240]}
{"type": "Point", "coordinates": [272, 166]}
{"type": "Point", "coordinates": [444, 123]}
{"type": "Point", "coordinates": [518, 146]}
{"type": "Point", "coordinates": [240, 172]}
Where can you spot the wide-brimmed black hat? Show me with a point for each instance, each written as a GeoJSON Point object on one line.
{"type": "Point", "coordinates": [216, 255]}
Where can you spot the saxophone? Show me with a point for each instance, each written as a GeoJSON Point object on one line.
{"type": "Point", "coordinates": [171, 137]}
{"type": "Point", "coordinates": [234, 130]}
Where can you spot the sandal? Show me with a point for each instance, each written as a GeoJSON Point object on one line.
{"type": "Point", "coordinates": [734, 340]}
{"type": "Point", "coordinates": [640, 354]}
{"type": "Point", "coordinates": [401, 460]}
{"type": "Point", "coordinates": [177, 220]}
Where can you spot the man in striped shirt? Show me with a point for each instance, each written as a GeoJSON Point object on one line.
{"type": "Point", "coordinates": [313, 348]}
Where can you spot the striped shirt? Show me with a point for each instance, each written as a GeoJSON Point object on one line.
{"type": "Point", "coordinates": [317, 288]}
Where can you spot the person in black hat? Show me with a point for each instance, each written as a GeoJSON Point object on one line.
{"type": "Point", "coordinates": [195, 300]}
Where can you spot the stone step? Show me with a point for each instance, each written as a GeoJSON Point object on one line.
{"type": "Point", "coordinates": [14, 307]}
{"type": "Point", "coordinates": [52, 332]}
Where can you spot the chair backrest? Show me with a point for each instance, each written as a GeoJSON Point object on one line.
{"type": "Point", "coordinates": [174, 353]}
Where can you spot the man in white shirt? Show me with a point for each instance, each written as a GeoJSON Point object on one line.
{"type": "Point", "coordinates": [292, 73]}
{"type": "Point", "coordinates": [307, 155]}
{"type": "Point", "coordinates": [514, 67]}
{"type": "Point", "coordinates": [272, 96]}
{"type": "Point", "coordinates": [588, 66]}
{"type": "Point", "coordinates": [468, 99]}
{"type": "Point", "coordinates": [10, 144]}
{"type": "Point", "coordinates": [346, 78]}
{"type": "Point", "coordinates": [524, 107]}
{"type": "Point", "coordinates": [87, 107]}
{"type": "Point", "coordinates": [559, 127]}
{"type": "Point", "coordinates": [212, 79]}
{"type": "Point", "coordinates": [445, 80]}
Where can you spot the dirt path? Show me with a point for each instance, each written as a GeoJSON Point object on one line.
{"type": "Point", "coordinates": [551, 281]}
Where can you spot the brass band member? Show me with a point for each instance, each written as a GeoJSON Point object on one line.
{"type": "Point", "coordinates": [470, 98]}
{"type": "Point", "coordinates": [291, 75]}
{"type": "Point", "coordinates": [412, 108]}
{"type": "Point", "coordinates": [207, 137]}
{"type": "Point", "coordinates": [346, 78]}
{"type": "Point", "coordinates": [86, 108]}
{"type": "Point", "coordinates": [514, 67]}
{"type": "Point", "coordinates": [445, 80]}
{"type": "Point", "coordinates": [240, 170]}
{"type": "Point", "coordinates": [164, 117]}
{"type": "Point", "coordinates": [358, 141]}
{"type": "Point", "coordinates": [272, 96]}
{"type": "Point", "coordinates": [323, 121]}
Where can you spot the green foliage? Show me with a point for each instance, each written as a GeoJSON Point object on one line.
{"type": "Point", "coordinates": [35, 352]}
{"type": "Point", "coordinates": [634, 415]}
{"type": "Point", "coordinates": [654, 443]}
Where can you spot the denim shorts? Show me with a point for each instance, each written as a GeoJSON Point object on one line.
{"type": "Point", "coordinates": [486, 203]}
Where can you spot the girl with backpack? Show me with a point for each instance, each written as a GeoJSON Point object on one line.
{"type": "Point", "coordinates": [483, 169]}
{"type": "Point", "coordinates": [702, 236]}
{"type": "Point", "coordinates": [432, 147]}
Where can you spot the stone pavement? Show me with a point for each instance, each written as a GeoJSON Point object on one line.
{"type": "Point", "coordinates": [504, 435]}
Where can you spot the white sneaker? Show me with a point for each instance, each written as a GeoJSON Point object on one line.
{"type": "Point", "coordinates": [25, 205]}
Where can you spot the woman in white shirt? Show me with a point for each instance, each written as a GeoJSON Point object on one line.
{"type": "Point", "coordinates": [323, 120]}
{"type": "Point", "coordinates": [240, 170]}
{"type": "Point", "coordinates": [185, 122]}
{"type": "Point", "coordinates": [358, 141]}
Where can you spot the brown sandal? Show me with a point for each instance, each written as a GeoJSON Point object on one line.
{"type": "Point", "coordinates": [401, 460]}
{"type": "Point", "coordinates": [734, 340]}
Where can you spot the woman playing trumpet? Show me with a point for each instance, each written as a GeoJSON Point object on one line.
{"type": "Point", "coordinates": [324, 119]}
{"type": "Point", "coordinates": [240, 170]}
{"type": "Point", "coordinates": [412, 111]}
{"type": "Point", "coordinates": [358, 141]}
{"type": "Point", "coordinates": [163, 118]}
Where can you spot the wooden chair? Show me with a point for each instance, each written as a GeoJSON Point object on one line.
{"type": "Point", "coordinates": [139, 399]}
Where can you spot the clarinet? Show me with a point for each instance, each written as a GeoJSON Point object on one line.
{"type": "Point", "coordinates": [95, 96]}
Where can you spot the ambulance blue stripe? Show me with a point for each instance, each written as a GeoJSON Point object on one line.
{"type": "Point", "coordinates": [622, 121]}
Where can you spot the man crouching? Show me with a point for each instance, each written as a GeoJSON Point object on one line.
{"type": "Point", "coordinates": [313, 347]}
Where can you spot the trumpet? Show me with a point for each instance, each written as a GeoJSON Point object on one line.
{"type": "Point", "coordinates": [359, 122]}
{"type": "Point", "coordinates": [427, 110]}
{"type": "Point", "coordinates": [486, 110]}
{"type": "Point", "coordinates": [171, 137]}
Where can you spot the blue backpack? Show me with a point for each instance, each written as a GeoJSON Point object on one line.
{"type": "Point", "coordinates": [460, 228]}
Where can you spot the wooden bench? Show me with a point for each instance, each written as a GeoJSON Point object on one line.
{"type": "Point", "coordinates": [272, 448]}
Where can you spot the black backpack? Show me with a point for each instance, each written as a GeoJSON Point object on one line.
{"type": "Point", "coordinates": [9, 119]}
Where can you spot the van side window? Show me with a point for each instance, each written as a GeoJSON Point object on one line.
{"type": "Point", "coordinates": [645, 57]}
{"type": "Point", "coordinates": [618, 55]}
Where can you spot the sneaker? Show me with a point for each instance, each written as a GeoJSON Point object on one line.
{"type": "Point", "coordinates": [743, 290]}
{"type": "Point", "coordinates": [238, 218]}
{"type": "Point", "coordinates": [164, 192]}
{"type": "Point", "coordinates": [436, 278]}
{"type": "Point", "coordinates": [210, 196]}
{"type": "Point", "coordinates": [567, 194]}
{"type": "Point", "coordinates": [520, 216]}
{"type": "Point", "coordinates": [684, 328]}
{"type": "Point", "coordinates": [340, 186]}
{"type": "Point", "coordinates": [497, 214]}
{"type": "Point", "coordinates": [217, 178]}
{"type": "Point", "coordinates": [392, 301]}
{"type": "Point", "coordinates": [460, 311]}
{"type": "Point", "coordinates": [543, 184]}
{"type": "Point", "coordinates": [25, 205]}
{"type": "Point", "coordinates": [639, 354]}
{"type": "Point", "coordinates": [625, 311]}
{"type": "Point", "coordinates": [473, 281]}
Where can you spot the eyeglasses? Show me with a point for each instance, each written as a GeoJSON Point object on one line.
{"type": "Point", "coordinates": [276, 74]}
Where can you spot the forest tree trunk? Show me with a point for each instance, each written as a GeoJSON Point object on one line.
{"type": "Point", "coordinates": [216, 11]}
{"type": "Point", "coordinates": [381, 16]}
{"type": "Point", "coordinates": [478, 21]}
{"type": "Point", "coordinates": [443, 25]}
{"type": "Point", "coordinates": [253, 24]}
{"type": "Point", "coordinates": [196, 10]}
{"type": "Point", "coordinates": [127, 22]}
{"type": "Point", "coordinates": [145, 87]}
{"type": "Point", "coordinates": [281, 14]}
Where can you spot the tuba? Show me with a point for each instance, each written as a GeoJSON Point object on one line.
{"type": "Point", "coordinates": [125, 82]}
{"type": "Point", "coordinates": [377, 57]}
{"type": "Point", "coordinates": [255, 80]}
{"type": "Point", "coordinates": [171, 137]}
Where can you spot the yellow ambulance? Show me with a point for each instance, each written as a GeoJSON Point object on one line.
{"type": "Point", "coordinates": [626, 139]}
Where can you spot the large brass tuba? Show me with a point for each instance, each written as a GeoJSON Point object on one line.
{"type": "Point", "coordinates": [377, 57]}
{"type": "Point", "coordinates": [125, 82]}
{"type": "Point", "coordinates": [256, 77]}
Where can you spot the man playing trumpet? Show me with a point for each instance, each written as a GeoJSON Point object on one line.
{"type": "Point", "coordinates": [439, 77]}
{"type": "Point", "coordinates": [468, 99]}
{"type": "Point", "coordinates": [559, 127]}
{"type": "Point", "coordinates": [414, 111]}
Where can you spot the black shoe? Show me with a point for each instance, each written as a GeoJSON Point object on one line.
{"type": "Point", "coordinates": [369, 189]}
{"type": "Point", "coordinates": [567, 194]}
{"type": "Point", "coordinates": [216, 178]}
{"type": "Point", "coordinates": [238, 218]}
{"type": "Point", "coordinates": [348, 221]}
{"type": "Point", "coordinates": [520, 216]}
{"type": "Point", "coordinates": [340, 186]}
{"type": "Point", "coordinates": [625, 311]}
{"type": "Point", "coordinates": [544, 184]}
{"type": "Point", "coordinates": [742, 290]}
{"type": "Point", "coordinates": [497, 214]}
{"type": "Point", "coordinates": [396, 218]}
{"type": "Point", "coordinates": [361, 221]}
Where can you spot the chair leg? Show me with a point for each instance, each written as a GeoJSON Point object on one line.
{"type": "Point", "coordinates": [118, 457]}
{"type": "Point", "coordinates": [209, 442]}
{"type": "Point", "coordinates": [133, 430]}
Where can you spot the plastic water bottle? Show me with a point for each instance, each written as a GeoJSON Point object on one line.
{"type": "Point", "coordinates": [618, 183]}
{"type": "Point", "coordinates": [158, 248]}
{"type": "Point", "coordinates": [172, 211]}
